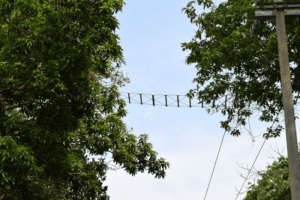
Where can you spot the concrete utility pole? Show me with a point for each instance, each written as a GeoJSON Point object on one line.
{"type": "Point", "coordinates": [278, 10]}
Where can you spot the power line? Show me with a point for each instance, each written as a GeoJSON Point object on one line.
{"type": "Point", "coordinates": [214, 165]}
{"type": "Point", "coordinates": [250, 169]}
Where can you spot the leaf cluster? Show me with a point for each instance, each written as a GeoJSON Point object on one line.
{"type": "Point", "coordinates": [274, 183]}
{"type": "Point", "coordinates": [238, 74]}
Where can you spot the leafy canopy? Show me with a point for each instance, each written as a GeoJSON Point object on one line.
{"type": "Point", "coordinates": [59, 78]}
{"type": "Point", "coordinates": [237, 74]}
{"type": "Point", "coordinates": [272, 184]}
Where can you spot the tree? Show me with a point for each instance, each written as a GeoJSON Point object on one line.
{"type": "Point", "coordinates": [273, 184]}
{"type": "Point", "coordinates": [238, 74]}
{"type": "Point", "coordinates": [59, 78]}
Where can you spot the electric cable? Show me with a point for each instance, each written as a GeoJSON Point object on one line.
{"type": "Point", "coordinates": [250, 169]}
{"type": "Point", "coordinates": [214, 165]}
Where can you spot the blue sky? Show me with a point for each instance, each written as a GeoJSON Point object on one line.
{"type": "Point", "coordinates": [151, 33]}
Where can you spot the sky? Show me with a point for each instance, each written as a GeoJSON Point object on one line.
{"type": "Point", "coordinates": [151, 33]}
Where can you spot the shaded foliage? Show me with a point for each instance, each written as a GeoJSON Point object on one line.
{"type": "Point", "coordinates": [59, 78]}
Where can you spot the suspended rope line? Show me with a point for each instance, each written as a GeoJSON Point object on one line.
{"type": "Point", "coordinates": [250, 169]}
{"type": "Point", "coordinates": [214, 165]}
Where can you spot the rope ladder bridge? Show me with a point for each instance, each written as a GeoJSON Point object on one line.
{"type": "Point", "coordinates": [159, 99]}
{"type": "Point", "coordinates": [169, 100]}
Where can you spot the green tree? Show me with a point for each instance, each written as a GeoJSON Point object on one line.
{"type": "Point", "coordinates": [59, 78]}
{"type": "Point", "coordinates": [272, 184]}
{"type": "Point", "coordinates": [237, 74]}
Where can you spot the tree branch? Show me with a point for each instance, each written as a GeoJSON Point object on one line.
{"type": "Point", "coordinates": [64, 47]}
{"type": "Point", "coordinates": [65, 26]}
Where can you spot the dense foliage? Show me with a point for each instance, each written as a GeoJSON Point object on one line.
{"type": "Point", "coordinates": [238, 74]}
{"type": "Point", "coordinates": [272, 184]}
{"type": "Point", "coordinates": [59, 79]}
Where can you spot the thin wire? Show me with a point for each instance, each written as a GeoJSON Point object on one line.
{"type": "Point", "coordinates": [214, 165]}
{"type": "Point", "coordinates": [250, 169]}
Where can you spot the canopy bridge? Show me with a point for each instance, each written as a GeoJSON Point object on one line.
{"type": "Point", "coordinates": [171, 100]}
{"type": "Point", "coordinates": [159, 99]}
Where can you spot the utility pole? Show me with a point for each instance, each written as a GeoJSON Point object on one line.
{"type": "Point", "coordinates": [278, 9]}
